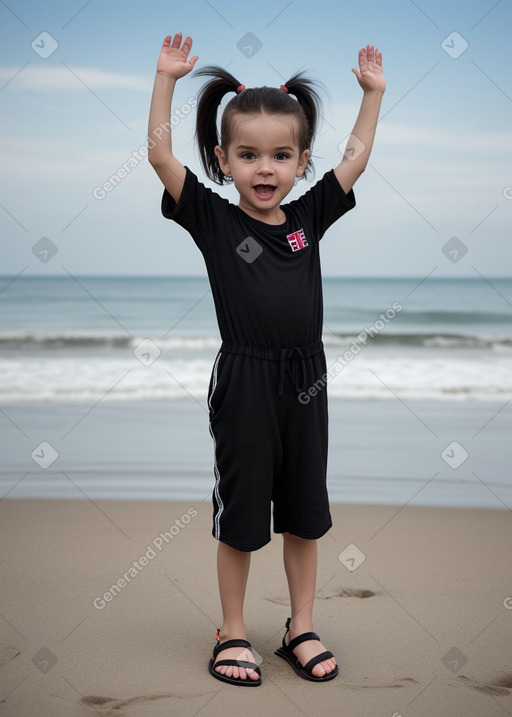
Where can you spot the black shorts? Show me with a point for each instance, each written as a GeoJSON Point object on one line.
{"type": "Point", "coordinates": [270, 440]}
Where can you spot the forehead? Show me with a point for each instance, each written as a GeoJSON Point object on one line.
{"type": "Point", "coordinates": [264, 130]}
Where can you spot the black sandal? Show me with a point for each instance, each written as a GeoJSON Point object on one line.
{"type": "Point", "coordinates": [305, 671]}
{"type": "Point", "coordinates": [248, 682]}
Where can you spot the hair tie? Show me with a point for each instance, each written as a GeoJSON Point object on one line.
{"type": "Point", "coordinates": [284, 88]}
{"type": "Point", "coordinates": [240, 88]}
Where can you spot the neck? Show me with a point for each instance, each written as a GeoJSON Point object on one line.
{"type": "Point", "coordinates": [275, 215]}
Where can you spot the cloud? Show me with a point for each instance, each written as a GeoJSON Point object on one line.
{"type": "Point", "coordinates": [459, 133]}
{"type": "Point", "coordinates": [56, 78]}
{"type": "Point", "coordinates": [470, 141]}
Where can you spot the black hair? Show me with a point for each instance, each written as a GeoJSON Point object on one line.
{"type": "Point", "coordinates": [254, 100]}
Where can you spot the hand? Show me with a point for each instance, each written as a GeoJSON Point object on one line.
{"type": "Point", "coordinates": [173, 60]}
{"type": "Point", "coordinates": [370, 74]}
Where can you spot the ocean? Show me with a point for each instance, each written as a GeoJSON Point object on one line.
{"type": "Point", "coordinates": [414, 365]}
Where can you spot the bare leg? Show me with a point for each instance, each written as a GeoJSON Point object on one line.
{"type": "Point", "coordinates": [300, 563]}
{"type": "Point", "coordinates": [233, 570]}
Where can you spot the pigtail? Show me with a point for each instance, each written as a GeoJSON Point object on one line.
{"type": "Point", "coordinates": [310, 101]}
{"type": "Point", "coordinates": [209, 100]}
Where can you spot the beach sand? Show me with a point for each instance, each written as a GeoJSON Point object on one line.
{"type": "Point", "coordinates": [415, 602]}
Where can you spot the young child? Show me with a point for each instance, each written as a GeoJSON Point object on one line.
{"type": "Point", "coordinates": [262, 259]}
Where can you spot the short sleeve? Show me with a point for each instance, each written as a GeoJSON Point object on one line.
{"type": "Point", "coordinates": [198, 210]}
{"type": "Point", "coordinates": [325, 203]}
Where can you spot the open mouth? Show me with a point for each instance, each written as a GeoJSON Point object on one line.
{"type": "Point", "coordinates": [264, 191]}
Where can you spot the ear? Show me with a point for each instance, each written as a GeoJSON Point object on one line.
{"type": "Point", "coordinates": [303, 163]}
{"type": "Point", "coordinates": [223, 160]}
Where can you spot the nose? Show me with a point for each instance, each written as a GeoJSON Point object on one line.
{"type": "Point", "coordinates": [265, 166]}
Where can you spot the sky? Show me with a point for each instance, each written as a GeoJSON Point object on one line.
{"type": "Point", "coordinates": [75, 87]}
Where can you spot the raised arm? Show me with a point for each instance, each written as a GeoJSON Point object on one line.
{"type": "Point", "coordinates": [359, 145]}
{"type": "Point", "coordinates": [173, 63]}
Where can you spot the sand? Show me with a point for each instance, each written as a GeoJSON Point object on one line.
{"type": "Point", "coordinates": [110, 608]}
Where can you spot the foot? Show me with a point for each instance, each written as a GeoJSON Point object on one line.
{"type": "Point", "coordinates": [309, 649]}
{"type": "Point", "coordinates": [235, 653]}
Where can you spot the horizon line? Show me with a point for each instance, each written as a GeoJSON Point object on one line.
{"type": "Point", "coordinates": [204, 276]}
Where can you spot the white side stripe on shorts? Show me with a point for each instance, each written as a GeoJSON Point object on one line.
{"type": "Point", "coordinates": [220, 505]}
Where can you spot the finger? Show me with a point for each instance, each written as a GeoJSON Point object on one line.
{"type": "Point", "coordinates": [363, 60]}
{"type": "Point", "coordinates": [356, 73]}
{"type": "Point", "coordinates": [187, 45]}
{"type": "Point", "coordinates": [167, 41]}
{"type": "Point", "coordinates": [193, 60]}
{"type": "Point", "coordinates": [378, 57]}
{"type": "Point", "coordinates": [370, 53]}
{"type": "Point", "coordinates": [177, 40]}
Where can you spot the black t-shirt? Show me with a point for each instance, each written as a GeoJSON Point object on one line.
{"type": "Point", "coordinates": [265, 278]}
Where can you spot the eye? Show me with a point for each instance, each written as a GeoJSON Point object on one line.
{"type": "Point", "coordinates": [282, 155]}
{"type": "Point", "coordinates": [247, 155]}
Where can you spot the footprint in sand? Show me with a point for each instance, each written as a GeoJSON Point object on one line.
{"type": "Point", "coordinates": [112, 707]}
{"type": "Point", "coordinates": [329, 594]}
{"type": "Point", "coordinates": [8, 653]}
{"type": "Point", "coordinates": [401, 682]}
{"type": "Point", "coordinates": [499, 687]}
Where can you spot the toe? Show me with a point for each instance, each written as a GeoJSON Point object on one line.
{"type": "Point", "coordinates": [237, 672]}
{"type": "Point", "coordinates": [319, 670]}
{"type": "Point", "coordinates": [324, 668]}
{"type": "Point", "coordinates": [328, 665]}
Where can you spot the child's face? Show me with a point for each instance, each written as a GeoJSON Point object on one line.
{"type": "Point", "coordinates": [263, 158]}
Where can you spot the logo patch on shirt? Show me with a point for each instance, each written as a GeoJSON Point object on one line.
{"type": "Point", "coordinates": [297, 240]}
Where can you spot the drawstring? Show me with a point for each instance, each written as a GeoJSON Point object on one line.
{"type": "Point", "coordinates": [281, 355]}
{"type": "Point", "coordinates": [286, 355]}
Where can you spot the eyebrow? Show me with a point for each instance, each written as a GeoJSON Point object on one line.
{"type": "Point", "coordinates": [276, 149]}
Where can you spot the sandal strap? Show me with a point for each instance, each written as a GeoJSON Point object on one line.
{"type": "Point", "coordinates": [308, 667]}
{"type": "Point", "coordinates": [238, 663]}
{"type": "Point", "coordinates": [230, 643]}
{"type": "Point", "coordinates": [300, 638]}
